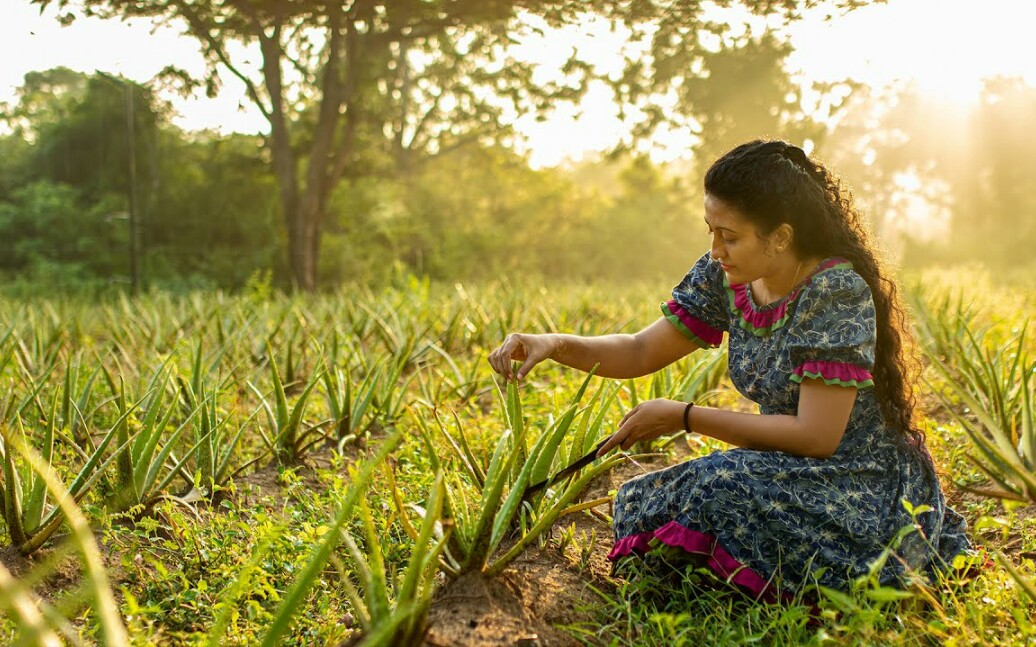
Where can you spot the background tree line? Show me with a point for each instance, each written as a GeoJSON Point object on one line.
{"type": "Point", "coordinates": [391, 152]}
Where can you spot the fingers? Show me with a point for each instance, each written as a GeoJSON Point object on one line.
{"type": "Point", "coordinates": [516, 347]}
{"type": "Point", "coordinates": [531, 359]}
{"type": "Point", "coordinates": [500, 359]}
{"type": "Point", "coordinates": [626, 434]}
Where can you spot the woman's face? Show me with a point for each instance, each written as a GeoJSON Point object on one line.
{"type": "Point", "coordinates": [736, 243]}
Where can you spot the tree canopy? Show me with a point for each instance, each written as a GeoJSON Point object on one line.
{"type": "Point", "coordinates": [370, 87]}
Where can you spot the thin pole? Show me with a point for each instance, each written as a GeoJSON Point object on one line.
{"type": "Point", "coordinates": [132, 146]}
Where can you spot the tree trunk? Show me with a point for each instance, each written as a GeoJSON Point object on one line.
{"type": "Point", "coordinates": [304, 247]}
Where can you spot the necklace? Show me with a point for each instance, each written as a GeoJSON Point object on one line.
{"type": "Point", "coordinates": [794, 282]}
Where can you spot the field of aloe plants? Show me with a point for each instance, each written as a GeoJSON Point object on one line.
{"type": "Point", "coordinates": [344, 469]}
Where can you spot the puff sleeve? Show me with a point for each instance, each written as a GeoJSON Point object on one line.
{"type": "Point", "coordinates": [699, 307]}
{"type": "Point", "coordinates": [834, 333]}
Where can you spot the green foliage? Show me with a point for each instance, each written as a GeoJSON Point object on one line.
{"type": "Point", "coordinates": [346, 545]}
{"type": "Point", "coordinates": [503, 502]}
{"type": "Point", "coordinates": [296, 594]}
{"type": "Point", "coordinates": [288, 439]}
{"type": "Point", "coordinates": [994, 382]}
{"type": "Point", "coordinates": [392, 610]}
{"type": "Point", "coordinates": [37, 622]}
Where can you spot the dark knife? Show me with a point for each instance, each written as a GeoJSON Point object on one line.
{"type": "Point", "coordinates": [571, 469]}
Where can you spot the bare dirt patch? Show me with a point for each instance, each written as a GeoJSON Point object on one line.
{"type": "Point", "coordinates": [61, 575]}
{"type": "Point", "coordinates": [543, 591]}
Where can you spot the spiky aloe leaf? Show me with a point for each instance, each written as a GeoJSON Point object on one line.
{"type": "Point", "coordinates": [548, 516]}
{"type": "Point", "coordinates": [35, 503]}
{"type": "Point", "coordinates": [425, 551]}
{"type": "Point", "coordinates": [999, 447]}
{"type": "Point", "coordinates": [377, 586]}
{"type": "Point", "coordinates": [112, 631]}
{"type": "Point", "coordinates": [296, 594]}
{"type": "Point", "coordinates": [12, 490]}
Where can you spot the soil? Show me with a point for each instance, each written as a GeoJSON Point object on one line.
{"type": "Point", "coordinates": [61, 576]}
{"type": "Point", "coordinates": [544, 589]}
{"type": "Point", "coordinates": [520, 607]}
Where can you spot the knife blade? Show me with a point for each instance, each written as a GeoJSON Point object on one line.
{"type": "Point", "coordinates": [585, 460]}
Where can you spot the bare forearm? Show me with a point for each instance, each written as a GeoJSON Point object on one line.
{"type": "Point", "coordinates": [785, 433]}
{"type": "Point", "coordinates": [619, 355]}
{"type": "Point", "coordinates": [798, 434]}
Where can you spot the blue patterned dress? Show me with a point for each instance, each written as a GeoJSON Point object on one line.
{"type": "Point", "coordinates": [774, 522]}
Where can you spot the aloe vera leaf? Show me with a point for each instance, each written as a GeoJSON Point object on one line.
{"type": "Point", "coordinates": [378, 595]}
{"type": "Point", "coordinates": [359, 607]}
{"type": "Point", "coordinates": [150, 485]}
{"type": "Point", "coordinates": [1027, 434]}
{"type": "Point", "coordinates": [295, 420]}
{"type": "Point", "coordinates": [271, 418]}
{"type": "Point", "coordinates": [547, 451]}
{"type": "Point", "coordinates": [146, 463]}
{"type": "Point", "coordinates": [503, 518]}
{"type": "Point", "coordinates": [459, 449]}
{"type": "Point", "coordinates": [12, 491]}
{"type": "Point", "coordinates": [296, 594]}
{"type": "Point", "coordinates": [278, 391]}
{"type": "Point", "coordinates": [112, 631]}
{"type": "Point", "coordinates": [499, 468]}
{"type": "Point", "coordinates": [36, 501]}
{"type": "Point", "coordinates": [228, 452]}
{"type": "Point", "coordinates": [1000, 477]}
{"type": "Point", "coordinates": [413, 577]}
{"type": "Point", "coordinates": [397, 500]}
{"type": "Point", "coordinates": [546, 520]}
{"type": "Point", "coordinates": [593, 431]}
{"type": "Point", "coordinates": [1002, 439]}
{"type": "Point", "coordinates": [575, 448]}
{"type": "Point", "coordinates": [86, 478]}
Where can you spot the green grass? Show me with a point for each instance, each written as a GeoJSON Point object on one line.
{"type": "Point", "coordinates": [248, 502]}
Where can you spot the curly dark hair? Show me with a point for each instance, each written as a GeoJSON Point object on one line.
{"type": "Point", "coordinates": [773, 182]}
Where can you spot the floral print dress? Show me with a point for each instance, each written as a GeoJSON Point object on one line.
{"type": "Point", "coordinates": [773, 522]}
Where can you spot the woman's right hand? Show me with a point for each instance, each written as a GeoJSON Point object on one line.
{"type": "Point", "coordinates": [530, 350]}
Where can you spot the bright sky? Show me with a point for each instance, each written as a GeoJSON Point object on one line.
{"type": "Point", "coordinates": [945, 46]}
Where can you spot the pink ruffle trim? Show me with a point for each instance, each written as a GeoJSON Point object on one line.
{"type": "Point", "coordinates": [759, 319]}
{"type": "Point", "coordinates": [767, 319]}
{"type": "Point", "coordinates": [834, 371]}
{"type": "Point", "coordinates": [699, 543]}
{"type": "Point", "coordinates": [696, 327]}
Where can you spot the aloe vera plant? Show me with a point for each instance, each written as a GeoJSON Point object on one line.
{"type": "Point", "coordinates": [998, 388]}
{"type": "Point", "coordinates": [36, 621]}
{"type": "Point", "coordinates": [288, 439]}
{"type": "Point", "coordinates": [148, 465]}
{"type": "Point", "coordinates": [31, 517]}
{"type": "Point", "coordinates": [504, 506]}
{"type": "Point", "coordinates": [214, 438]}
{"type": "Point", "coordinates": [349, 405]}
{"type": "Point", "coordinates": [391, 609]}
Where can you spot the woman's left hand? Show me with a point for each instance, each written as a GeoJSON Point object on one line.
{"type": "Point", "coordinates": [646, 421]}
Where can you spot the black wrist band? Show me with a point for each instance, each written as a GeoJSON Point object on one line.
{"type": "Point", "coordinates": [687, 417]}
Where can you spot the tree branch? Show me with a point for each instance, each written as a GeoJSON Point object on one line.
{"type": "Point", "coordinates": [198, 26]}
{"type": "Point", "coordinates": [425, 120]}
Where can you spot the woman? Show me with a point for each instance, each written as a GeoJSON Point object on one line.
{"type": "Point", "coordinates": [814, 492]}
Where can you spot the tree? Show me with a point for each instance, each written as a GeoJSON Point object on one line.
{"type": "Point", "coordinates": [342, 83]}
{"type": "Point", "coordinates": [87, 140]}
{"type": "Point", "coordinates": [973, 166]}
